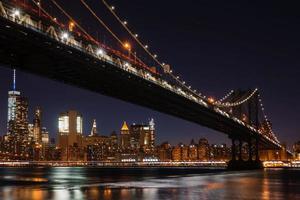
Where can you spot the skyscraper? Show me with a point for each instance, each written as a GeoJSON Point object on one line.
{"type": "Point", "coordinates": [17, 116]}
{"type": "Point", "coordinates": [37, 126]}
{"type": "Point", "coordinates": [142, 137]}
{"type": "Point", "coordinates": [94, 131]}
{"type": "Point", "coordinates": [125, 137]}
{"type": "Point", "coordinates": [70, 134]}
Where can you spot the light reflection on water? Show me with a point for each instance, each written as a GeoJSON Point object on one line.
{"type": "Point", "coordinates": [92, 183]}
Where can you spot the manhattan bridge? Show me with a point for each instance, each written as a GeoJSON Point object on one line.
{"type": "Point", "coordinates": [42, 38]}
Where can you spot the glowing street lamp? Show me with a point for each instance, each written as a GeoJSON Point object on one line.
{"type": "Point", "coordinates": [211, 100]}
{"type": "Point", "coordinates": [65, 36]}
{"type": "Point", "coordinates": [100, 52]}
{"type": "Point", "coordinates": [71, 26]}
{"type": "Point", "coordinates": [127, 46]}
{"type": "Point", "coordinates": [16, 13]}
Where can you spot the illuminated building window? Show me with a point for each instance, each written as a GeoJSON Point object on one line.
{"type": "Point", "coordinates": [63, 124]}
{"type": "Point", "coordinates": [79, 125]}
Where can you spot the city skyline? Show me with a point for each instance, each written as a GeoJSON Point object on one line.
{"type": "Point", "coordinates": [52, 127]}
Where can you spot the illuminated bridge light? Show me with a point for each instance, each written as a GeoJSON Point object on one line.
{"type": "Point", "coordinates": [99, 52]}
{"type": "Point", "coordinates": [65, 36]}
{"type": "Point", "coordinates": [16, 13]}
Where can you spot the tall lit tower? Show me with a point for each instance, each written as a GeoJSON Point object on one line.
{"type": "Point", "coordinates": [69, 134]}
{"type": "Point", "coordinates": [125, 137]}
{"type": "Point", "coordinates": [94, 129]}
{"type": "Point", "coordinates": [17, 116]}
{"type": "Point", "coordinates": [152, 133]}
{"type": "Point", "coordinates": [12, 103]}
{"type": "Point", "coordinates": [37, 125]}
{"type": "Point", "coordinates": [69, 129]}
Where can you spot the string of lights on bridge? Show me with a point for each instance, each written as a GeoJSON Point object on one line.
{"type": "Point", "coordinates": [226, 96]}
{"type": "Point", "coordinates": [266, 118]}
{"type": "Point", "coordinates": [227, 104]}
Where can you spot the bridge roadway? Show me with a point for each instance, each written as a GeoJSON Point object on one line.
{"type": "Point", "coordinates": [34, 52]}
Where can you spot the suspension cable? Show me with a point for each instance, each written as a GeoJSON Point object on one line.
{"type": "Point", "coordinates": [133, 35]}
{"type": "Point", "coordinates": [109, 30]}
{"type": "Point", "coordinates": [70, 18]}
{"type": "Point", "coordinates": [50, 16]}
{"type": "Point", "coordinates": [266, 119]}
{"type": "Point", "coordinates": [226, 96]}
{"type": "Point", "coordinates": [154, 57]}
{"type": "Point", "coordinates": [227, 104]}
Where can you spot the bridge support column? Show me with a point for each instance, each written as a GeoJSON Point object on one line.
{"type": "Point", "coordinates": [233, 150]}
{"type": "Point", "coordinates": [237, 162]}
{"type": "Point", "coordinates": [250, 149]}
{"type": "Point", "coordinates": [240, 150]}
{"type": "Point", "coordinates": [256, 150]}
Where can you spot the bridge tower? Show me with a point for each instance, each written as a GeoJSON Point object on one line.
{"type": "Point", "coordinates": [248, 113]}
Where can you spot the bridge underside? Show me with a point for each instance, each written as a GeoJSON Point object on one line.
{"type": "Point", "coordinates": [38, 54]}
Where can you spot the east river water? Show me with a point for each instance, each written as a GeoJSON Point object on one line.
{"type": "Point", "coordinates": [96, 183]}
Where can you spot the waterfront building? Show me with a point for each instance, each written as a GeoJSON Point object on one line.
{"type": "Point", "coordinates": [180, 153]}
{"type": "Point", "coordinates": [193, 151]}
{"type": "Point", "coordinates": [97, 147]}
{"type": "Point", "coordinates": [176, 153]}
{"type": "Point", "coordinates": [45, 141]}
{"type": "Point", "coordinates": [70, 135]}
{"type": "Point", "coordinates": [142, 137]}
{"type": "Point", "coordinates": [203, 150]}
{"type": "Point", "coordinates": [219, 152]}
{"type": "Point", "coordinates": [164, 152]}
{"type": "Point", "coordinates": [114, 146]}
{"type": "Point", "coordinates": [296, 149]}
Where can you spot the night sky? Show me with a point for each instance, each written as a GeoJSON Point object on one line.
{"type": "Point", "coordinates": [215, 45]}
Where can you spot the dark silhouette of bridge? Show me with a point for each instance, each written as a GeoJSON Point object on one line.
{"type": "Point", "coordinates": [33, 41]}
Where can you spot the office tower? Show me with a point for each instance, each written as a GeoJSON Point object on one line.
{"type": "Point", "coordinates": [70, 135]}
{"type": "Point", "coordinates": [152, 134]}
{"type": "Point", "coordinates": [30, 131]}
{"type": "Point", "coordinates": [45, 141]}
{"type": "Point", "coordinates": [114, 143]}
{"type": "Point", "coordinates": [165, 152]}
{"type": "Point", "coordinates": [203, 149]}
{"type": "Point", "coordinates": [37, 128]}
{"type": "Point", "coordinates": [94, 131]}
{"type": "Point", "coordinates": [125, 137]}
{"type": "Point", "coordinates": [296, 149]}
{"type": "Point", "coordinates": [142, 137]}
{"type": "Point", "coordinates": [193, 151]}
{"type": "Point", "coordinates": [17, 117]}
